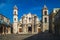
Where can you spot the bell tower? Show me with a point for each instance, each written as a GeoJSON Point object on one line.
{"type": "Point", "coordinates": [45, 19]}
{"type": "Point", "coordinates": [15, 19]}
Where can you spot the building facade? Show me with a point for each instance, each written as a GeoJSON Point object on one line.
{"type": "Point", "coordinates": [52, 20]}
{"type": "Point", "coordinates": [57, 22]}
{"type": "Point", "coordinates": [29, 23]}
{"type": "Point", "coordinates": [4, 25]}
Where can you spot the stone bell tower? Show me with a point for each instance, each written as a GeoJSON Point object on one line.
{"type": "Point", "coordinates": [45, 19]}
{"type": "Point", "coordinates": [15, 19]}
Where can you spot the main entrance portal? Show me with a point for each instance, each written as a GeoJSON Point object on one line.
{"type": "Point", "coordinates": [29, 29]}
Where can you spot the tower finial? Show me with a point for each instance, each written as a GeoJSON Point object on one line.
{"type": "Point", "coordinates": [45, 4]}
{"type": "Point", "coordinates": [15, 7]}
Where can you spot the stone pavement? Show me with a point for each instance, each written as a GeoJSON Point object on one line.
{"type": "Point", "coordinates": [14, 36]}
{"type": "Point", "coordinates": [40, 36]}
{"type": "Point", "coordinates": [43, 36]}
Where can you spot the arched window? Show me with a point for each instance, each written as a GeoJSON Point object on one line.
{"type": "Point", "coordinates": [29, 19]}
{"type": "Point", "coordinates": [45, 12]}
{"type": "Point", "coordinates": [15, 13]}
{"type": "Point", "coordinates": [15, 19]}
{"type": "Point", "coordinates": [45, 20]}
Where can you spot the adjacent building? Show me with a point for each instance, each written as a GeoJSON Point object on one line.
{"type": "Point", "coordinates": [57, 22]}
{"type": "Point", "coordinates": [52, 20]}
{"type": "Point", "coordinates": [4, 25]}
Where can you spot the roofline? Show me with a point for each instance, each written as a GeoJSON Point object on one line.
{"type": "Point", "coordinates": [5, 16]}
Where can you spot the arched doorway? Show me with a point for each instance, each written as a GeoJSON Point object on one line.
{"type": "Point", "coordinates": [29, 29]}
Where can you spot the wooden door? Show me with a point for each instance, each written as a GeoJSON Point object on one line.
{"type": "Point", "coordinates": [20, 29]}
{"type": "Point", "coordinates": [39, 30]}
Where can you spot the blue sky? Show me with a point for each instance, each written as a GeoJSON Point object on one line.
{"type": "Point", "coordinates": [26, 6]}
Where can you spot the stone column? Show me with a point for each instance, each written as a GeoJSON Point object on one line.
{"type": "Point", "coordinates": [32, 28]}
{"type": "Point", "coordinates": [3, 30]}
{"type": "Point", "coordinates": [9, 30]}
{"type": "Point", "coordinates": [18, 30]}
{"type": "Point", "coordinates": [22, 28]}
{"type": "Point", "coordinates": [27, 28]}
{"type": "Point", "coordinates": [33, 25]}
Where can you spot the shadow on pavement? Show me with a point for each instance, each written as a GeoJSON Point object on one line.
{"type": "Point", "coordinates": [43, 36]}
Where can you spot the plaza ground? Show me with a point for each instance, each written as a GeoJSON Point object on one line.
{"type": "Point", "coordinates": [40, 36]}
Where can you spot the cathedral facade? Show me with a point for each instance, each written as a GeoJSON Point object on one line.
{"type": "Point", "coordinates": [30, 23]}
